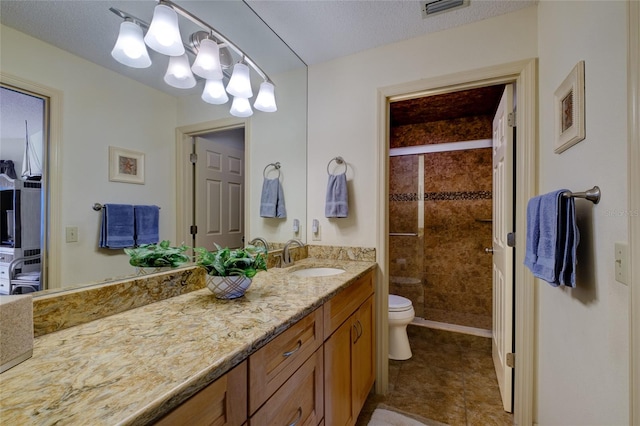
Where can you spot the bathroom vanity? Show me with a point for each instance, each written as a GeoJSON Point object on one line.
{"type": "Point", "coordinates": [292, 349]}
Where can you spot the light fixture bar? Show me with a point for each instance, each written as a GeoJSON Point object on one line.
{"type": "Point", "coordinates": [217, 35]}
{"type": "Point", "coordinates": [125, 15]}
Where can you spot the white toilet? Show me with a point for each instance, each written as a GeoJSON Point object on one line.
{"type": "Point", "coordinates": [401, 313]}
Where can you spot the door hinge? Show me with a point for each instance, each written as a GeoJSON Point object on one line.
{"type": "Point", "coordinates": [511, 119]}
{"type": "Point", "coordinates": [193, 229]}
{"type": "Point", "coordinates": [193, 157]}
{"type": "Point", "coordinates": [511, 239]}
{"type": "Point", "coordinates": [511, 360]}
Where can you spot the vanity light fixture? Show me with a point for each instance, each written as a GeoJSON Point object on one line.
{"type": "Point", "coordinates": [130, 49]}
{"type": "Point", "coordinates": [179, 73]}
{"type": "Point", "coordinates": [240, 107]}
{"type": "Point", "coordinates": [266, 100]}
{"type": "Point", "coordinates": [164, 34]}
{"type": "Point", "coordinates": [212, 53]}
{"type": "Point", "coordinates": [214, 92]}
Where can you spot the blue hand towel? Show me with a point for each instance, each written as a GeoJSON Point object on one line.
{"type": "Point", "coordinates": [272, 199]}
{"type": "Point", "coordinates": [117, 229]}
{"type": "Point", "coordinates": [337, 204]}
{"type": "Point", "coordinates": [552, 238]}
{"type": "Point", "coordinates": [147, 220]}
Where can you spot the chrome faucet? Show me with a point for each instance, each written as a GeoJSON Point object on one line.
{"type": "Point", "coordinates": [286, 256]}
{"type": "Point", "coordinates": [261, 241]}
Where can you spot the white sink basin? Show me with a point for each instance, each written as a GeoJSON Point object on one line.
{"type": "Point", "coordinates": [317, 272]}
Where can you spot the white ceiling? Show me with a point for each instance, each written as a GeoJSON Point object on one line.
{"type": "Point", "coordinates": [321, 30]}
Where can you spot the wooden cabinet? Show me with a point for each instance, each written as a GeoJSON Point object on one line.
{"type": "Point", "coordinates": [300, 399]}
{"type": "Point", "coordinates": [224, 402]}
{"type": "Point", "coordinates": [274, 363]}
{"type": "Point", "coordinates": [318, 371]}
{"type": "Point", "coordinates": [349, 352]}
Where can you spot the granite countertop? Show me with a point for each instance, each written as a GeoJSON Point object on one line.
{"type": "Point", "coordinates": [133, 367]}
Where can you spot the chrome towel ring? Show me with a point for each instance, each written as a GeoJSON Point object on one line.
{"type": "Point", "coordinates": [275, 165]}
{"type": "Point", "coordinates": [339, 161]}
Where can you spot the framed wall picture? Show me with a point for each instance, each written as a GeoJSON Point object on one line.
{"type": "Point", "coordinates": [126, 165]}
{"type": "Point", "coordinates": [569, 110]}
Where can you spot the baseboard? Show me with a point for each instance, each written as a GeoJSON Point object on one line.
{"type": "Point", "coordinates": [451, 327]}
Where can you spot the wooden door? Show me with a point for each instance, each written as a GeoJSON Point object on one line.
{"type": "Point", "coordinates": [363, 354]}
{"type": "Point", "coordinates": [219, 192]}
{"type": "Point", "coordinates": [503, 254]}
{"type": "Point", "coordinates": [338, 383]}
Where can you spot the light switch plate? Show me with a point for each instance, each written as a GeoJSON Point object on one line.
{"type": "Point", "coordinates": [622, 262]}
{"type": "Point", "coordinates": [71, 234]}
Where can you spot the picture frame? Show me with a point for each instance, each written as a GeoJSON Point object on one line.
{"type": "Point", "coordinates": [569, 110]}
{"type": "Point", "coordinates": [126, 165]}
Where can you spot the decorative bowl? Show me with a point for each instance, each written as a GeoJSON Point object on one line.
{"type": "Point", "coordinates": [230, 287]}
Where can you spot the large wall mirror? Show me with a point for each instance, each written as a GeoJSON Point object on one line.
{"type": "Point", "coordinates": [65, 48]}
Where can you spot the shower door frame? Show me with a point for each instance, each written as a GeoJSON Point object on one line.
{"type": "Point", "coordinates": [524, 74]}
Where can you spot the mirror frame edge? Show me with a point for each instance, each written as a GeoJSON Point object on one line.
{"type": "Point", "coordinates": [52, 181]}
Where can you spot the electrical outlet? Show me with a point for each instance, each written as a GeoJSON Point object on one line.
{"type": "Point", "coordinates": [71, 234]}
{"type": "Point", "coordinates": [315, 228]}
{"type": "Point", "coordinates": [622, 262]}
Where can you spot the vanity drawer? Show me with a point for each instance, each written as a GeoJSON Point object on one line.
{"type": "Point", "coordinates": [340, 307]}
{"type": "Point", "coordinates": [274, 363]}
{"type": "Point", "coordinates": [299, 401]}
{"type": "Point", "coordinates": [4, 272]}
{"type": "Point", "coordinates": [223, 402]}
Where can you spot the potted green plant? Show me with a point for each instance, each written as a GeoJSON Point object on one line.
{"type": "Point", "coordinates": [157, 257]}
{"type": "Point", "coordinates": [229, 271]}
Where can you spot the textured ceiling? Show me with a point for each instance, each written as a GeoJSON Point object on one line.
{"type": "Point", "coordinates": [321, 30]}
{"type": "Point", "coordinates": [465, 103]}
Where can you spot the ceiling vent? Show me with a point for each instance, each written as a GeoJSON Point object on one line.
{"type": "Point", "coordinates": [433, 7]}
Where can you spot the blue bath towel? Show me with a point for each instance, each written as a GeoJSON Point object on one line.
{"type": "Point", "coordinates": [117, 230]}
{"type": "Point", "coordinates": [272, 199]}
{"type": "Point", "coordinates": [147, 221]}
{"type": "Point", "coordinates": [552, 238]}
{"type": "Point", "coordinates": [337, 204]}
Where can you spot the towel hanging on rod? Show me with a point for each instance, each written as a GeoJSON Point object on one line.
{"type": "Point", "coordinates": [97, 207]}
{"type": "Point", "coordinates": [592, 194]}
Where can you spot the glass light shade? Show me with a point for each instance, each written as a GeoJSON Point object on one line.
{"type": "Point", "coordinates": [240, 82]}
{"type": "Point", "coordinates": [266, 100]}
{"type": "Point", "coordinates": [214, 92]}
{"type": "Point", "coordinates": [179, 73]}
{"type": "Point", "coordinates": [207, 63]}
{"type": "Point", "coordinates": [241, 107]}
{"type": "Point", "coordinates": [163, 35]}
{"type": "Point", "coordinates": [129, 49]}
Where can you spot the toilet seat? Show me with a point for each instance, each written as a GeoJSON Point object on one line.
{"type": "Point", "coordinates": [399, 303]}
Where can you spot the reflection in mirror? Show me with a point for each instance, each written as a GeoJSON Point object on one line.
{"type": "Point", "coordinates": [103, 103]}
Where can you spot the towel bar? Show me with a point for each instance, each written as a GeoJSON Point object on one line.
{"type": "Point", "coordinates": [403, 234]}
{"type": "Point", "coordinates": [275, 165]}
{"type": "Point", "coordinates": [339, 161]}
{"type": "Point", "coordinates": [592, 194]}
{"type": "Point", "coordinates": [97, 207]}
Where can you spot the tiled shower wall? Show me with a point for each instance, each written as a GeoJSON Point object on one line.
{"type": "Point", "coordinates": [443, 268]}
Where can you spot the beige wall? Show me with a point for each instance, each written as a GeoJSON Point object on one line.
{"type": "Point", "coordinates": [100, 108]}
{"type": "Point", "coordinates": [582, 355]}
{"type": "Point", "coordinates": [343, 107]}
{"type": "Point", "coordinates": [583, 333]}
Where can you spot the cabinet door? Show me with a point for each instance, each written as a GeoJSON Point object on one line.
{"type": "Point", "coordinates": [338, 384]}
{"type": "Point", "coordinates": [224, 402]}
{"type": "Point", "coordinates": [363, 363]}
{"type": "Point", "coordinates": [300, 399]}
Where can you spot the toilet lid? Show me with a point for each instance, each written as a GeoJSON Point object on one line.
{"type": "Point", "coordinates": [398, 303]}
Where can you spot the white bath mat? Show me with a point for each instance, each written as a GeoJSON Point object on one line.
{"type": "Point", "coordinates": [382, 417]}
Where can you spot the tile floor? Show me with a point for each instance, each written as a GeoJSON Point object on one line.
{"type": "Point", "coordinates": [450, 379]}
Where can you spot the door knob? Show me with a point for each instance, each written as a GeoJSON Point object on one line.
{"type": "Point", "coordinates": [488, 250]}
